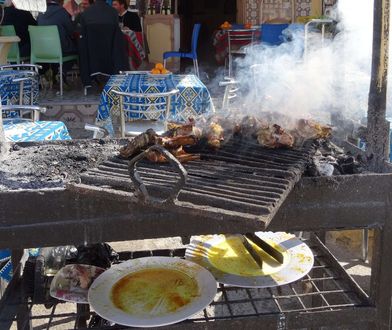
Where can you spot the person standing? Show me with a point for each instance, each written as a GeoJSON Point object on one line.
{"type": "Point", "coordinates": [127, 19]}
{"type": "Point", "coordinates": [21, 20]}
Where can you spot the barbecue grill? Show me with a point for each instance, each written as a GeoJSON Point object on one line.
{"type": "Point", "coordinates": [227, 191]}
{"type": "Point", "coordinates": [271, 195]}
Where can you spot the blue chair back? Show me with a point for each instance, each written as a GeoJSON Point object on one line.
{"type": "Point", "coordinates": [195, 38]}
{"type": "Point", "coordinates": [272, 33]}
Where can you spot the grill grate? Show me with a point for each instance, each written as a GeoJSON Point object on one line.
{"type": "Point", "coordinates": [242, 177]}
{"type": "Point", "coordinates": [323, 289]}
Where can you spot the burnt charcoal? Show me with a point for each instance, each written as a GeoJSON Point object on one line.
{"type": "Point", "coordinates": [15, 147]}
{"type": "Point", "coordinates": [100, 255]}
{"type": "Point", "coordinates": [80, 158]}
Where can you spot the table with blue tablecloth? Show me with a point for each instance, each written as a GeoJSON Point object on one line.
{"type": "Point", "coordinates": [10, 91]}
{"type": "Point", "coordinates": [193, 99]}
{"type": "Point", "coordinates": [22, 130]}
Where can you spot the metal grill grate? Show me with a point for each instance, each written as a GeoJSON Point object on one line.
{"type": "Point", "coordinates": [241, 177]}
{"type": "Point", "coordinates": [325, 288]}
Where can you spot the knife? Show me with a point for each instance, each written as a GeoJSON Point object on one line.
{"type": "Point", "coordinates": [273, 252]}
{"type": "Point", "coordinates": [256, 257]}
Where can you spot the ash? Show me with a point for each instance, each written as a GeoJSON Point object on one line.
{"type": "Point", "coordinates": [329, 160]}
{"type": "Point", "coordinates": [52, 164]}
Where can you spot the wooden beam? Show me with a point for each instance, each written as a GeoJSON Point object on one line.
{"type": "Point", "coordinates": [378, 127]}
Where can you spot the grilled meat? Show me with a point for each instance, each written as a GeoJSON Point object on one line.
{"type": "Point", "coordinates": [309, 129]}
{"type": "Point", "coordinates": [177, 141]}
{"type": "Point", "coordinates": [214, 135]}
{"type": "Point", "coordinates": [139, 143]}
{"type": "Point", "coordinates": [274, 137]}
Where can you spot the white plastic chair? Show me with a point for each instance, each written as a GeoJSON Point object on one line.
{"type": "Point", "coordinates": [35, 110]}
{"type": "Point", "coordinates": [156, 105]}
{"type": "Point", "coordinates": [231, 90]}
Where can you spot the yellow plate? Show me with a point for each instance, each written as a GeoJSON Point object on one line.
{"type": "Point", "coordinates": [231, 263]}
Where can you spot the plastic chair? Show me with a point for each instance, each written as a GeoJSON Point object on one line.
{"type": "Point", "coordinates": [14, 53]}
{"type": "Point", "coordinates": [230, 94]}
{"type": "Point", "coordinates": [46, 48]}
{"type": "Point", "coordinates": [192, 55]}
{"type": "Point", "coordinates": [154, 107]}
{"type": "Point", "coordinates": [241, 37]}
{"type": "Point", "coordinates": [35, 110]}
{"type": "Point", "coordinates": [271, 34]}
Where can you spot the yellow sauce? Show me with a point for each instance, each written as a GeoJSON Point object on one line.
{"type": "Point", "coordinates": [230, 256]}
{"type": "Point", "coordinates": [154, 292]}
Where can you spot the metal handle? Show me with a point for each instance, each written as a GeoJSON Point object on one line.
{"type": "Point", "coordinates": [140, 188]}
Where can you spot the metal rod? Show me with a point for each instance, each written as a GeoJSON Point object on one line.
{"type": "Point", "coordinates": [378, 127]}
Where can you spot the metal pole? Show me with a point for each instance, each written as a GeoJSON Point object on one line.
{"type": "Point", "coordinates": [378, 127]}
{"type": "Point", "coordinates": [3, 143]}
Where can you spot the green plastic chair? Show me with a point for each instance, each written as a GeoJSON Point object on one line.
{"type": "Point", "coordinates": [46, 48]}
{"type": "Point", "coordinates": [13, 53]}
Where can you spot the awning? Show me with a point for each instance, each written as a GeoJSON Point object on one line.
{"type": "Point", "coordinates": [30, 5]}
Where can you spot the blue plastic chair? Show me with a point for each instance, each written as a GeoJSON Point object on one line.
{"type": "Point", "coordinates": [192, 54]}
{"type": "Point", "coordinates": [271, 34]}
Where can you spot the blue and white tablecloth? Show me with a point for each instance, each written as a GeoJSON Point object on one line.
{"type": "Point", "coordinates": [10, 91]}
{"type": "Point", "coordinates": [22, 130]}
{"type": "Point", "coordinates": [193, 99]}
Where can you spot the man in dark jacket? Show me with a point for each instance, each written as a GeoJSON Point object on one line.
{"type": "Point", "coordinates": [126, 18]}
{"type": "Point", "coordinates": [102, 44]}
{"type": "Point", "coordinates": [21, 20]}
{"type": "Point", "coordinates": [99, 13]}
{"type": "Point", "coordinates": [57, 15]}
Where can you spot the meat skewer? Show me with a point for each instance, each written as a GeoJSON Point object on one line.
{"type": "Point", "coordinates": [139, 143]}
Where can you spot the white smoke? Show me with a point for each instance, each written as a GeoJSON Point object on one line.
{"type": "Point", "coordinates": [333, 76]}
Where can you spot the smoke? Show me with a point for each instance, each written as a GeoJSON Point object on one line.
{"type": "Point", "coordinates": [331, 76]}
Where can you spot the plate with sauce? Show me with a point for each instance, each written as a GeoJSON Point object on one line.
{"type": "Point", "coordinates": [152, 291]}
{"type": "Point", "coordinates": [227, 259]}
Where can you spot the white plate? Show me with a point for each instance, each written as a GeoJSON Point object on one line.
{"type": "Point", "coordinates": [149, 280]}
{"type": "Point", "coordinates": [71, 283]}
{"type": "Point", "coordinates": [233, 265]}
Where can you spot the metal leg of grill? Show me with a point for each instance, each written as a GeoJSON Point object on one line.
{"type": "Point", "coordinates": [381, 284]}
{"type": "Point", "coordinates": [23, 312]}
{"type": "Point", "coordinates": [82, 318]}
{"type": "Point", "coordinates": [365, 244]}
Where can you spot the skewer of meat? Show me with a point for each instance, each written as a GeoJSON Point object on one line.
{"type": "Point", "coordinates": [139, 143]}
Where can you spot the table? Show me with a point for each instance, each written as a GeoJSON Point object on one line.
{"type": "Point", "coordinates": [193, 100]}
{"type": "Point", "coordinates": [135, 48]}
{"type": "Point", "coordinates": [221, 44]}
{"type": "Point", "coordinates": [22, 130]}
{"type": "Point", "coordinates": [10, 91]}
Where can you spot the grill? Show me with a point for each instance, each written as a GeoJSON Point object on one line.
{"type": "Point", "coordinates": [241, 179]}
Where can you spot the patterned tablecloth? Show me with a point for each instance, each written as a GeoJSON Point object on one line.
{"type": "Point", "coordinates": [194, 98]}
{"type": "Point", "coordinates": [21, 130]}
{"type": "Point", "coordinates": [10, 91]}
